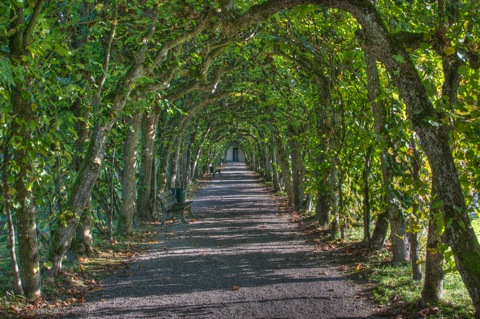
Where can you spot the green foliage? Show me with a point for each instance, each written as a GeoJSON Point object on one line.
{"type": "Point", "coordinates": [298, 78]}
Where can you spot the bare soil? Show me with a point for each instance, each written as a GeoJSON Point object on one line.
{"type": "Point", "coordinates": [241, 258]}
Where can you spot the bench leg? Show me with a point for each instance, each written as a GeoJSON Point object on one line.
{"type": "Point", "coordinates": [189, 211]}
{"type": "Point", "coordinates": [182, 217]}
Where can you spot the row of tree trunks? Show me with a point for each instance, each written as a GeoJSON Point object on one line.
{"type": "Point", "coordinates": [399, 239]}
{"type": "Point", "coordinates": [434, 140]}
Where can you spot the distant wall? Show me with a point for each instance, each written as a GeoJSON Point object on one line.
{"type": "Point", "coordinates": [235, 154]}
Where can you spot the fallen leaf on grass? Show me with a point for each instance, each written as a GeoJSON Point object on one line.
{"type": "Point", "coordinates": [426, 312]}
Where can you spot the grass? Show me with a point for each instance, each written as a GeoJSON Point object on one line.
{"type": "Point", "coordinates": [392, 287]}
{"type": "Point", "coordinates": [396, 289]}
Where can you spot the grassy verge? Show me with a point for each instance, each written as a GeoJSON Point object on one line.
{"type": "Point", "coordinates": [79, 276]}
{"type": "Point", "coordinates": [391, 287]}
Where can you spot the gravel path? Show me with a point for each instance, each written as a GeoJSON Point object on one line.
{"type": "Point", "coordinates": [242, 258]}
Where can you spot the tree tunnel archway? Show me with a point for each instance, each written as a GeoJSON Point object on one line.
{"type": "Point", "coordinates": [291, 72]}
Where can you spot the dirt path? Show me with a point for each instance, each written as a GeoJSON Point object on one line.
{"type": "Point", "coordinates": [242, 258]}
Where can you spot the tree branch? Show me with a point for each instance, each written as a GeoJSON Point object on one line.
{"type": "Point", "coordinates": [108, 49]}
{"type": "Point", "coordinates": [27, 34]}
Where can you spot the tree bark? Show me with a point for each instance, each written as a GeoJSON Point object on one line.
{"type": "Point", "coordinates": [286, 170]}
{"type": "Point", "coordinates": [129, 189]}
{"type": "Point", "coordinates": [413, 236]}
{"type": "Point", "coordinates": [24, 178]}
{"type": "Point", "coordinates": [276, 177]}
{"type": "Point", "coordinates": [298, 173]}
{"type": "Point", "coordinates": [399, 238]}
{"type": "Point", "coordinates": [366, 198]}
{"type": "Point", "coordinates": [434, 275]}
{"type": "Point", "coordinates": [200, 151]}
{"type": "Point", "coordinates": [415, 256]}
{"type": "Point", "coordinates": [20, 98]}
{"type": "Point", "coordinates": [17, 281]}
{"type": "Point", "coordinates": [149, 130]}
{"type": "Point", "coordinates": [84, 237]}
{"type": "Point", "coordinates": [380, 232]}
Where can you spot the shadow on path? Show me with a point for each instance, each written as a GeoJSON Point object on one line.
{"type": "Point", "coordinates": [242, 258]}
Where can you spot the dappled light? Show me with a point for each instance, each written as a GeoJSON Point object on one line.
{"type": "Point", "coordinates": [229, 263]}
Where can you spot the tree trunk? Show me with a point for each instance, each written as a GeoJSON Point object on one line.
{"type": "Point", "coordinates": [298, 173]}
{"type": "Point", "coordinates": [129, 190]}
{"type": "Point", "coordinates": [78, 197]}
{"type": "Point", "coordinates": [286, 171]}
{"type": "Point", "coordinates": [366, 198]}
{"type": "Point", "coordinates": [415, 256]}
{"type": "Point", "coordinates": [322, 208]}
{"type": "Point", "coordinates": [84, 237]}
{"type": "Point", "coordinates": [163, 168]}
{"type": "Point", "coordinates": [334, 196]}
{"type": "Point", "coordinates": [23, 20]}
{"type": "Point", "coordinates": [24, 178]}
{"type": "Point", "coordinates": [17, 281]}
{"type": "Point", "coordinates": [413, 236]}
{"type": "Point", "coordinates": [276, 178]}
{"type": "Point", "coordinates": [149, 130]}
{"type": "Point", "coordinates": [380, 232]}
{"type": "Point", "coordinates": [397, 220]}
{"type": "Point", "coordinates": [175, 179]}
{"type": "Point", "coordinates": [200, 151]}
{"type": "Point", "coordinates": [268, 164]}
{"type": "Point", "coordinates": [399, 238]}
{"type": "Point", "coordinates": [434, 274]}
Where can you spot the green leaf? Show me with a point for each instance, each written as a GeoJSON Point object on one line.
{"type": "Point", "coordinates": [449, 51]}
{"type": "Point", "coordinates": [61, 50]}
{"type": "Point", "coordinates": [399, 58]}
{"type": "Point", "coordinates": [436, 204]}
{"type": "Point", "coordinates": [48, 265]}
{"type": "Point", "coordinates": [463, 70]}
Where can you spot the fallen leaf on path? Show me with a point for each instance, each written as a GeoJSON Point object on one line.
{"type": "Point", "coordinates": [235, 287]}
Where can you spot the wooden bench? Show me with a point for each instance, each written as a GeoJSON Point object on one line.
{"type": "Point", "coordinates": [172, 208]}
